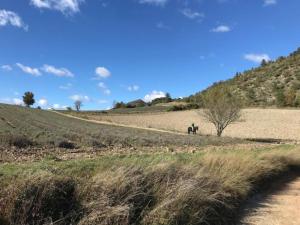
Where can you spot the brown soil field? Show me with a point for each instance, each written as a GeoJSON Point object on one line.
{"type": "Point", "coordinates": [254, 123]}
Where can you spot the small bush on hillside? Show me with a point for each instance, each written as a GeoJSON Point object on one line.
{"type": "Point", "coordinates": [290, 98]}
{"type": "Point", "coordinates": [16, 141]}
{"type": "Point", "coordinates": [166, 99]}
{"type": "Point", "coordinates": [66, 145]}
{"type": "Point", "coordinates": [96, 144]}
{"type": "Point", "coordinates": [280, 98]}
{"type": "Point", "coordinates": [183, 107]}
{"type": "Point", "coordinates": [296, 86]}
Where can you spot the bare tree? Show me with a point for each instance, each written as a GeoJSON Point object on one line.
{"type": "Point", "coordinates": [221, 108]}
{"type": "Point", "coordinates": [78, 105]}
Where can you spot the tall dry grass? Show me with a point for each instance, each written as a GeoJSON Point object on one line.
{"type": "Point", "coordinates": [196, 189]}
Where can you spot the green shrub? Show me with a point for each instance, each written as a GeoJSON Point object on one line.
{"type": "Point", "coordinates": [280, 98]}
{"type": "Point", "coordinates": [182, 107]}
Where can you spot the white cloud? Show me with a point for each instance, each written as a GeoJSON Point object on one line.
{"type": "Point", "coordinates": [257, 58]}
{"type": "Point", "coordinates": [83, 98]}
{"type": "Point", "coordinates": [102, 85]}
{"type": "Point", "coordinates": [133, 88]}
{"type": "Point", "coordinates": [154, 2]}
{"type": "Point", "coordinates": [270, 2]}
{"type": "Point", "coordinates": [17, 101]}
{"type": "Point", "coordinates": [11, 18]}
{"type": "Point", "coordinates": [66, 87]}
{"type": "Point", "coordinates": [102, 101]}
{"type": "Point", "coordinates": [102, 72]}
{"type": "Point", "coordinates": [56, 106]}
{"type": "Point", "coordinates": [6, 67]}
{"type": "Point", "coordinates": [104, 89]}
{"type": "Point", "coordinates": [13, 101]}
{"type": "Point", "coordinates": [221, 29]}
{"type": "Point", "coordinates": [29, 70]}
{"type": "Point", "coordinates": [64, 6]}
{"type": "Point", "coordinates": [153, 95]}
{"type": "Point", "coordinates": [189, 13]}
{"type": "Point", "coordinates": [161, 25]}
{"type": "Point", "coordinates": [43, 102]}
{"type": "Point", "coordinates": [107, 92]}
{"type": "Point", "coordinates": [60, 72]}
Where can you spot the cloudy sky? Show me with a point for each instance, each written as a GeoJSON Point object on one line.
{"type": "Point", "coordinates": [99, 51]}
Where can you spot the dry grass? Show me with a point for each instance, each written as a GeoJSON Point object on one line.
{"type": "Point", "coordinates": [255, 123]}
{"type": "Point", "coordinates": [162, 189]}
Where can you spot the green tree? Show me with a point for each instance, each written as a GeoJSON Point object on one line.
{"type": "Point", "coordinates": [264, 62]}
{"type": "Point", "coordinates": [168, 96]}
{"type": "Point", "coordinates": [28, 98]}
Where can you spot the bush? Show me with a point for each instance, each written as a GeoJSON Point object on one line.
{"type": "Point", "coordinates": [66, 145]}
{"type": "Point", "coordinates": [16, 141]}
{"type": "Point", "coordinates": [166, 99]}
{"type": "Point", "coordinates": [46, 202]}
{"type": "Point", "coordinates": [97, 144]}
{"type": "Point", "coordinates": [182, 107]}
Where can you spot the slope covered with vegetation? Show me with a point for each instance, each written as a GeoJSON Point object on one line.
{"type": "Point", "coordinates": [25, 126]}
{"type": "Point", "coordinates": [274, 83]}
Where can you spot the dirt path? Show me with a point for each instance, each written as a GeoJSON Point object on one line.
{"type": "Point", "coordinates": [121, 125]}
{"type": "Point", "coordinates": [280, 208]}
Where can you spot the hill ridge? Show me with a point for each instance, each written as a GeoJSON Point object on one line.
{"type": "Point", "coordinates": [273, 83]}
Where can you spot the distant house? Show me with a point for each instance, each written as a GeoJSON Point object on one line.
{"type": "Point", "coordinates": [136, 103]}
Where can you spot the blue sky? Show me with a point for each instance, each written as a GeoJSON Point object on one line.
{"type": "Point", "coordinates": [99, 51]}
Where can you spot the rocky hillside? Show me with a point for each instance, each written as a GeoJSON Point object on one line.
{"type": "Point", "coordinates": [274, 83]}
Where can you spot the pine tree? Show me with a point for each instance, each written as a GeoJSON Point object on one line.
{"type": "Point", "coordinates": [28, 98]}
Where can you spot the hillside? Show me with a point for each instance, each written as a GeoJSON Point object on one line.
{"type": "Point", "coordinates": [46, 128]}
{"type": "Point", "coordinates": [275, 83]}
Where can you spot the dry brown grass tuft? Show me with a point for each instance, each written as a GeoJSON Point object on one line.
{"type": "Point", "coordinates": [40, 201]}
{"type": "Point", "coordinates": [117, 197]}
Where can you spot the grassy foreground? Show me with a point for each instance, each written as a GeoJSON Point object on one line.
{"type": "Point", "coordinates": [201, 188]}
